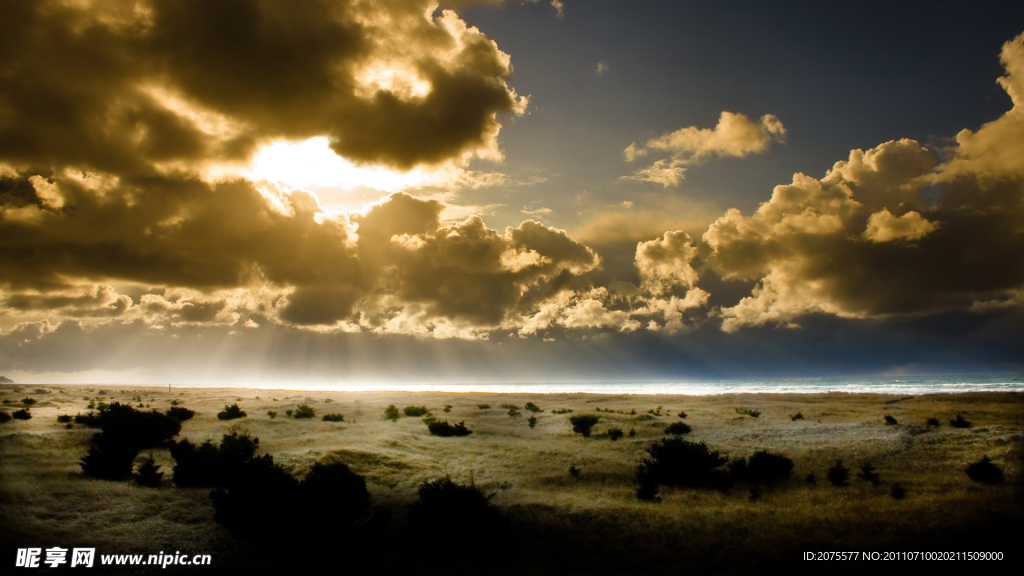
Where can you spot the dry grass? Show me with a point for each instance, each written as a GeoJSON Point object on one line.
{"type": "Point", "coordinates": [45, 501]}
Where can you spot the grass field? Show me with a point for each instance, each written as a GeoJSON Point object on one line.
{"type": "Point", "coordinates": [560, 523]}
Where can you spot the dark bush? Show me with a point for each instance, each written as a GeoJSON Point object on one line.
{"type": "Point", "coordinates": [513, 413]}
{"type": "Point", "coordinates": [890, 421]}
{"type": "Point", "coordinates": [748, 412]}
{"type": "Point", "coordinates": [868, 474]}
{"type": "Point", "coordinates": [91, 419]}
{"type": "Point", "coordinates": [28, 401]}
{"type": "Point", "coordinates": [148, 474]}
{"type": "Point", "coordinates": [447, 408]}
{"type": "Point", "coordinates": [391, 413]}
{"type": "Point", "coordinates": [582, 424]}
{"type": "Point", "coordinates": [562, 411]}
{"type": "Point", "coordinates": [676, 462]}
{"type": "Point", "coordinates": [755, 494]}
{"type": "Point", "coordinates": [64, 418]}
{"type": "Point", "coordinates": [303, 411]}
{"type": "Point", "coordinates": [682, 414]}
{"type": "Point", "coordinates": [454, 515]}
{"type": "Point", "coordinates": [811, 480]}
{"type": "Point", "coordinates": [933, 422]}
{"type": "Point", "coordinates": [532, 407]}
{"type": "Point", "coordinates": [334, 418]}
{"type": "Point", "coordinates": [615, 433]}
{"type": "Point", "coordinates": [797, 416]}
{"type": "Point", "coordinates": [5, 416]}
{"type": "Point", "coordinates": [838, 474]}
{"type": "Point", "coordinates": [333, 491]}
{"type": "Point", "coordinates": [632, 432]}
{"type": "Point", "coordinates": [415, 411]}
{"type": "Point", "coordinates": [532, 421]}
{"type": "Point", "coordinates": [210, 465]}
{"type": "Point", "coordinates": [231, 412]}
{"type": "Point", "coordinates": [959, 422]}
{"type": "Point", "coordinates": [443, 428]}
{"type": "Point", "coordinates": [272, 414]}
{"type": "Point", "coordinates": [484, 406]}
{"type": "Point", "coordinates": [574, 471]}
{"type": "Point", "coordinates": [262, 505]}
{"type": "Point", "coordinates": [985, 471]}
{"type": "Point", "coordinates": [180, 414]}
{"type": "Point", "coordinates": [288, 412]}
{"type": "Point", "coordinates": [108, 461]}
{"type": "Point", "coordinates": [762, 468]}
{"type": "Point", "coordinates": [22, 414]}
{"type": "Point", "coordinates": [898, 492]}
{"type": "Point", "coordinates": [678, 429]}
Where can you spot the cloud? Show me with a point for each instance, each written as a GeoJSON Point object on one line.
{"type": "Point", "coordinates": [133, 87]}
{"type": "Point", "coordinates": [602, 67]}
{"type": "Point", "coordinates": [734, 135]}
{"type": "Point", "coordinates": [887, 232]}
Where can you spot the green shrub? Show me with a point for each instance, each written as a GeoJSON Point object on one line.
{"type": "Point", "coordinates": [391, 413]}
{"type": "Point", "coordinates": [890, 421]}
{"type": "Point", "coordinates": [676, 462]}
{"type": "Point", "coordinates": [762, 468]}
{"type": "Point", "coordinates": [303, 411]}
{"type": "Point", "coordinates": [510, 406]}
{"type": "Point", "coordinates": [22, 414]}
{"type": "Point", "coordinates": [288, 412]}
{"type": "Point", "coordinates": [484, 406]}
{"type": "Point", "coordinates": [682, 414]}
{"type": "Point", "coordinates": [415, 411]}
{"type": "Point", "coordinates": [447, 408]}
{"type": "Point", "coordinates": [985, 471]}
{"type": "Point", "coordinates": [959, 422]}
{"type": "Point", "coordinates": [443, 428]}
{"type": "Point", "coordinates": [582, 424]}
{"type": "Point", "coordinates": [28, 401]}
{"type": "Point", "coordinates": [108, 461]}
{"type": "Point", "coordinates": [532, 421]}
{"type": "Point", "coordinates": [562, 411]}
{"type": "Point", "coordinates": [513, 413]}
{"type": "Point", "coordinates": [797, 416]}
{"type": "Point", "coordinates": [91, 420]}
{"type": "Point", "coordinates": [210, 465]}
{"type": "Point", "coordinates": [334, 418]}
{"type": "Point", "coordinates": [655, 412]}
{"type": "Point", "coordinates": [5, 416]}
{"type": "Point", "coordinates": [632, 432]}
{"type": "Point", "coordinates": [868, 474]}
{"type": "Point", "coordinates": [148, 474]}
{"type": "Point", "coordinates": [615, 433]}
{"type": "Point", "coordinates": [272, 414]}
{"type": "Point", "coordinates": [231, 412]}
{"type": "Point", "coordinates": [532, 407]}
{"type": "Point", "coordinates": [64, 418]}
{"type": "Point", "coordinates": [838, 474]}
{"type": "Point", "coordinates": [180, 414]}
{"type": "Point", "coordinates": [748, 412]}
{"type": "Point", "coordinates": [678, 429]}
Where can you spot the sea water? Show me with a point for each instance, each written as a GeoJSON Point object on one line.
{"type": "Point", "coordinates": [872, 384]}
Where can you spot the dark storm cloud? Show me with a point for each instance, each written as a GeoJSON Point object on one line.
{"type": "Point", "coordinates": [123, 86]}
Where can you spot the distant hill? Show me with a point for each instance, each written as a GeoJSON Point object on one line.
{"type": "Point", "coordinates": [6, 380]}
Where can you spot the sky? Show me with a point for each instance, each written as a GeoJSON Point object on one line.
{"type": "Point", "coordinates": [323, 192]}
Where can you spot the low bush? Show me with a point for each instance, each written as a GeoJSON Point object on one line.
{"type": "Point", "coordinates": [391, 413]}
{"type": "Point", "coordinates": [959, 422]}
{"type": "Point", "coordinates": [898, 492]}
{"type": "Point", "coordinates": [562, 411]}
{"type": "Point", "coordinates": [443, 428]}
{"type": "Point", "coordinates": [22, 414]}
{"type": "Point", "coordinates": [64, 418]}
{"type": "Point", "coordinates": [5, 416]}
{"type": "Point", "coordinates": [574, 471]}
{"type": "Point", "coordinates": [615, 433]}
{"type": "Point", "coordinates": [933, 422]}
{"type": "Point", "coordinates": [748, 412]}
{"type": "Point", "coordinates": [582, 424]}
{"type": "Point", "coordinates": [532, 407]}
{"type": "Point", "coordinates": [868, 474]}
{"type": "Point", "coordinates": [838, 474]}
{"type": "Point", "coordinates": [303, 411]}
{"type": "Point", "coordinates": [655, 412]}
{"type": "Point", "coordinates": [108, 461]}
{"type": "Point", "coordinates": [811, 480]}
{"type": "Point", "coordinates": [447, 408]}
{"type": "Point", "coordinates": [676, 462]}
{"type": "Point", "coordinates": [415, 411]}
{"type": "Point", "coordinates": [272, 414]}
{"type": "Point", "coordinates": [797, 416]}
{"type": "Point", "coordinates": [180, 414]}
{"type": "Point", "coordinates": [762, 468]}
{"type": "Point", "coordinates": [90, 419]}
{"type": "Point", "coordinates": [456, 515]}
{"type": "Point", "coordinates": [985, 471]}
{"type": "Point", "coordinates": [678, 429]}
{"type": "Point", "coordinates": [632, 432]}
{"type": "Point", "coordinates": [682, 414]}
{"type": "Point", "coordinates": [532, 421]}
{"type": "Point", "coordinates": [28, 401]}
{"type": "Point", "coordinates": [510, 406]}
{"type": "Point", "coordinates": [208, 465]}
{"type": "Point", "coordinates": [231, 412]}
{"type": "Point", "coordinates": [148, 474]}
{"type": "Point", "coordinates": [288, 412]}
{"type": "Point", "coordinates": [513, 413]}
{"type": "Point", "coordinates": [484, 406]}
{"type": "Point", "coordinates": [890, 421]}
{"type": "Point", "coordinates": [334, 418]}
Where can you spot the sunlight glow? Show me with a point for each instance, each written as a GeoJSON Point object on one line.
{"type": "Point", "coordinates": [312, 162]}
